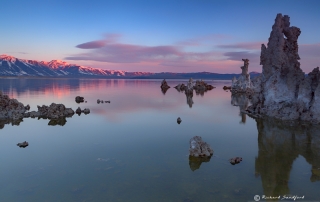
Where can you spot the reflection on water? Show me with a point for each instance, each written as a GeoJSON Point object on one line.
{"type": "Point", "coordinates": [279, 146]}
{"type": "Point", "coordinates": [242, 101]}
{"type": "Point", "coordinates": [132, 149]}
{"type": "Point", "coordinates": [195, 162]}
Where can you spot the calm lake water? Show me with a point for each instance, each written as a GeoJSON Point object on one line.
{"type": "Point", "coordinates": [133, 149]}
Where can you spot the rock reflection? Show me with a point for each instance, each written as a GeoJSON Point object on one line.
{"type": "Point", "coordinates": [279, 145]}
{"type": "Point", "coordinates": [3, 122]}
{"type": "Point", "coordinates": [242, 101]}
{"type": "Point", "coordinates": [200, 87]}
{"type": "Point", "coordinates": [61, 121]}
{"type": "Point", "coordinates": [195, 162]}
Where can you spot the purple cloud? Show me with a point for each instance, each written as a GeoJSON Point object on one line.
{"type": "Point", "coordinates": [92, 44]}
{"type": "Point", "coordinates": [110, 38]}
{"type": "Point", "coordinates": [247, 46]}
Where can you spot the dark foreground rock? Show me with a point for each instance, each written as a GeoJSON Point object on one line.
{"type": "Point", "coordinates": [79, 99]}
{"type": "Point", "coordinates": [235, 160]}
{"type": "Point", "coordinates": [23, 144]}
{"type": "Point", "coordinates": [164, 85]}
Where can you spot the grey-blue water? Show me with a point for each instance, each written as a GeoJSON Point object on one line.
{"type": "Point", "coordinates": [133, 149]}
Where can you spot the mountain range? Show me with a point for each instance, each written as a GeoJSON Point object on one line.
{"type": "Point", "coordinates": [14, 67]}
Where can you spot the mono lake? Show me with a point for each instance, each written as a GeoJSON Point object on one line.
{"type": "Point", "coordinates": [133, 149]}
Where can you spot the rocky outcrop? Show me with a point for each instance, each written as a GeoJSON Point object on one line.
{"type": "Point", "coordinates": [180, 87]}
{"type": "Point", "coordinates": [243, 83]}
{"type": "Point", "coordinates": [23, 144]}
{"type": "Point", "coordinates": [179, 120]}
{"type": "Point", "coordinates": [282, 90]}
{"type": "Point", "coordinates": [54, 111]}
{"type": "Point", "coordinates": [79, 99]}
{"type": "Point", "coordinates": [164, 85]}
{"type": "Point", "coordinates": [226, 87]}
{"type": "Point", "coordinates": [11, 108]}
{"type": "Point", "coordinates": [201, 87]}
{"type": "Point", "coordinates": [85, 111]}
{"type": "Point", "coordinates": [235, 160]}
{"type": "Point", "coordinates": [199, 148]}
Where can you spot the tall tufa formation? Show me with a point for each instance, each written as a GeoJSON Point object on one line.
{"type": "Point", "coordinates": [282, 90]}
{"type": "Point", "coordinates": [243, 83]}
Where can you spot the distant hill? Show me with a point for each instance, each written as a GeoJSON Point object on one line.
{"type": "Point", "coordinates": [14, 67]}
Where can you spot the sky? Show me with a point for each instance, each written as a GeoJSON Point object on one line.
{"type": "Point", "coordinates": [154, 35]}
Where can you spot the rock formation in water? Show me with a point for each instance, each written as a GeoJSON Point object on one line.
{"type": "Point", "coordinates": [201, 87]}
{"type": "Point", "coordinates": [282, 90]}
{"type": "Point", "coordinates": [180, 87]}
{"type": "Point", "coordinates": [179, 120]}
{"type": "Point", "coordinates": [243, 83]}
{"type": "Point", "coordinates": [164, 85]}
{"type": "Point", "coordinates": [55, 111]}
{"type": "Point", "coordinates": [235, 160]}
{"type": "Point", "coordinates": [11, 108]}
{"type": "Point", "coordinates": [199, 148]}
{"type": "Point", "coordinates": [79, 99]}
{"type": "Point", "coordinates": [23, 144]}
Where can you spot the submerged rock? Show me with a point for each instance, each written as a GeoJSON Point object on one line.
{"type": "Point", "coordinates": [282, 90]}
{"type": "Point", "coordinates": [199, 148]}
{"type": "Point", "coordinates": [23, 144]}
{"type": "Point", "coordinates": [235, 160]}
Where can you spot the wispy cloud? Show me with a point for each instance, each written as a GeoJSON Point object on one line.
{"type": "Point", "coordinates": [109, 39]}
{"type": "Point", "coordinates": [246, 45]}
{"type": "Point", "coordinates": [175, 58]}
{"type": "Point", "coordinates": [114, 52]}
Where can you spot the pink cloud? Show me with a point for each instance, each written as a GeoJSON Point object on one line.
{"type": "Point", "coordinates": [110, 38]}
{"type": "Point", "coordinates": [92, 44]}
{"type": "Point", "coordinates": [112, 54]}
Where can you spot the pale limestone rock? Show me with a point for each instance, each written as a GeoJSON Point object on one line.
{"type": "Point", "coordinates": [282, 90]}
{"type": "Point", "coordinates": [198, 148]}
{"type": "Point", "coordinates": [243, 83]}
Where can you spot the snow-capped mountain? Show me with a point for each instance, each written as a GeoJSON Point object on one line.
{"type": "Point", "coordinates": [11, 66]}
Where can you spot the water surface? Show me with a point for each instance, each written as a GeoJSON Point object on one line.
{"type": "Point", "coordinates": [133, 149]}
